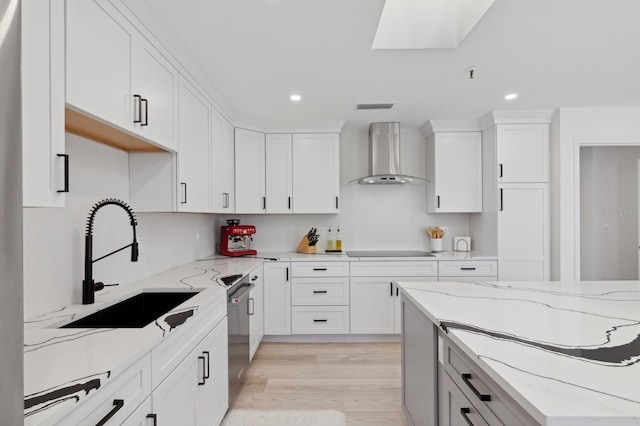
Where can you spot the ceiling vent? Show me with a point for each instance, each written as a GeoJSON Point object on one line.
{"type": "Point", "coordinates": [374, 106]}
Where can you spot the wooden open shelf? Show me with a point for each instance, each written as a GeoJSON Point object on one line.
{"type": "Point", "coordinates": [90, 128]}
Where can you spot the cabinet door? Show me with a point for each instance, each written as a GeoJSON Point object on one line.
{"type": "Point", "coordinates": [372, 301]}
{"type": "Point", "coordinates": [43, 138]}
{"type": "Point", "coordinates": [142, 416]}
{"type": "Point", "coordinates": [454, 408]}
{"type": "Point", "coordinates": [278, 179]}
{"type": "Point", "coordinates": [397, 305]}
{"type": "Point", "coordinates": [249, 172]}
{"type": "Point", "coordinates": [224, 187]}
{"type": "Point", "coordinates": [174, 400]}
{"type": "Point", "coordinates": [523, 243]}
{"type": "Point", "coordinates": [256, 319]}
{"type": "Point", "coordinates": [156, 82]}
{"type": "Point", "coordinates": [523, 152]}
{"type": "Point", "coordinates": [99, 50]}
{"type": "Point", "coordinates": [457, 180]}
{"type": "Point", "coordinates": [218, 199]}
{"type": "Point", "coordinates": [316, 173]}
{"type": "Point", "coordinates": [194, 156]}
{"type": "Point", "coordinates": [277, 298]}
{"type": "Point", "coordinates": [212, 392]}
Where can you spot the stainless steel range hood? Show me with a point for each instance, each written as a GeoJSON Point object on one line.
{"type": "Point", "coordinates": [384, 157]}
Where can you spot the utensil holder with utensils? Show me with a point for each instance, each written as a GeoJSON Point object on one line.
{"type": "Point", "coordinates": [435, 234]}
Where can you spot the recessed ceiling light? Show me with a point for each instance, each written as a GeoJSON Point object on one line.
{"type": "Point", "coordinates": [511, 96]}
{"type": "Point", "coordinates": [295, 98]}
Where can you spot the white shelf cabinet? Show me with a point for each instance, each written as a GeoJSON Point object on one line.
{"type": "Point", "coordinates": [256, 319]}
{"type": "Point", "coordinates": [454, 171]}
{"type": "Point", "coordinates": [43, 97]}
{"type": "Point", "coordinates": [277, 298]}
{"type": "Point", "coordinates": [223, 165]}
{"type": "Point", "coordinates": [250, 171]}
{"type": "Point", "coordinates": [523, 152]}
{"type": "Point", "coordinates": [316, 173]}
{"type": "Point", "coordinates": [278, 169]}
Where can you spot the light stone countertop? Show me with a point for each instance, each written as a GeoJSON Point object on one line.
{"type": "Point", "coordinates": [568, 353]}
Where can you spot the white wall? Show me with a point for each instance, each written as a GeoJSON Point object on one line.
{"type": "Point", "coordinates": [54, 237]}
{"type": "Point", "coordinates": [608, 213]}
{"type": "Point", "coordinates": [580, 127]}
{"type": "Point", "coordinates": [371, 217]}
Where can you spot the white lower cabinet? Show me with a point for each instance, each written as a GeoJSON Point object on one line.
{"type": "Point", "coordinates": [142, 416]}
{"type": "Point", "coordinates": [256, 311]}
{"type": "Point", "coordinates": [277, 298]}
{"type": "Point", "coordinates": [454, 408]}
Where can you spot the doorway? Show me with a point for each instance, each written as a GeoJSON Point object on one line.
{"type": "Point", "coordinates": [609, 212]}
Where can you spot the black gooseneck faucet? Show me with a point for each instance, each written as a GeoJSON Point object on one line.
{"type": "Point", "coordinates": [89, 286]}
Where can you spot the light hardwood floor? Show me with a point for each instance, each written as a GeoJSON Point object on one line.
{"type": "Point", "coordinates": [360, 379]}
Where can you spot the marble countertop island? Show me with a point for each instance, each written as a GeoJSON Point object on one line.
{"type": "Point", "coordinates": [568, 353]}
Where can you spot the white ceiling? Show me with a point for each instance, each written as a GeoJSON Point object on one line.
{"type": "Point", "coordinates": [572, 53]}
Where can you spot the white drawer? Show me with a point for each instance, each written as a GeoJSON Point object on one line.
{"type": "Point", "coordinates": [395, 269]}
{"type": "Point", "coordinates": [320, 320]}
{"type": "Point", "coordinates": [132, 387]}
{"type": "Point", "coordinates": [468, 278]}
{"type": "Point", "coordinates": [175, 347]}
{"type": "Point", "coordinates": [320, 291]}
{"type": "Point", "coordinates": [319, 269]}
{"type": "Point", "coordinates": [482, 268]}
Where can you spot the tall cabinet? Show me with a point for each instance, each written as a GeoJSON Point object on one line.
{"type": "Point", "coordinates": [515, 219]}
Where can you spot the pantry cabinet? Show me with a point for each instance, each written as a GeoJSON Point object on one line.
{"type": "Point", "coordinates": [316, 173]}
{"type": "Point", "coordinates": [45, 165]}
{"type": "Point", "coordinates": [277, 298]}
{"type": "Point", "coordinates": [279, 180]}
{"type": "Point", "coordinates": [454, 172]}
{"type": "Point", "coordinates": [250, 171]}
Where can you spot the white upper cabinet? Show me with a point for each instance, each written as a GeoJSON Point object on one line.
{"type": "Point", "coordinates": [194, 156]}
{"type": "Point", "coordinates": [226, 165]}
{"type": "Point", "coordinates": [316, 173]}
{"type": "Point", "coordinates": [114, 75]}
{"type": "Point", "coordinates": [45, 164]}
{"type": "Point", "coordinates": [279, 185]}
{"type": "Point", "coordinates": [250, 171]}
{"type": "Point", "coordinates": [99, 50]}
{"type": "Point", "coordinates": [454, 163]}
{"type": "Point", "coordinates": [522, 152]}
{"type": "Point", "coordinates": [155, 96]}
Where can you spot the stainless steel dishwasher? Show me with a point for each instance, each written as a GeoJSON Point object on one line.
{"type": "Point", "coordinates": [239, 309]}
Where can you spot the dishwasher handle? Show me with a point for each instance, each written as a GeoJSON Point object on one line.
{"type": "Point", "coordinates": [243, 289]}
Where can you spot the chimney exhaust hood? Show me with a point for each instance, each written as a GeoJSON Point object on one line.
{"type": "Point", "coordinates": [384, 157]}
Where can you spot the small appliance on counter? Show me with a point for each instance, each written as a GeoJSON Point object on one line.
{"type": "Point", "coordinates": [236, 239]}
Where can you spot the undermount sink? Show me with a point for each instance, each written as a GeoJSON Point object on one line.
{"type": "Point", "coordinates": [134, 312]}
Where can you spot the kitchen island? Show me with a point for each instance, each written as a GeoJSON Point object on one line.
{"type": "Point", "coordinates": [521, 353]}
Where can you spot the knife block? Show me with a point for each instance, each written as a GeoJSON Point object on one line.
{"type": "Point", "coordinates": [304, 246]}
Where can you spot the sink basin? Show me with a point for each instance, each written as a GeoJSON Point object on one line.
{"type": "Point", "coordinates": [134, 312]}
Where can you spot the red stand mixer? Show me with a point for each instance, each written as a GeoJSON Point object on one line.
{"type": "Point", "coordinates": [236, 239]}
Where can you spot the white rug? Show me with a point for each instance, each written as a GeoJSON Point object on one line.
{"type": "Point", "coordinates": [284, 418]}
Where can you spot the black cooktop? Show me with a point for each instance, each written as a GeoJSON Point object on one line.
{"type": "Point", "coordinates": [389, 253]}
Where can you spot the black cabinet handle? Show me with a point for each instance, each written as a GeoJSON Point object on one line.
{"type": "Point", "coordinates": [397, 291]}
{"type": "Point", "coordinates": [391, 289]}
{"type": "Point", "coordinates": [287, 275]}
{"type": "Point", "coordinates": [206, 374]}
{"type": "Point", "coordinates": [319, 269]}
{"type": "Point", "coordinates": [500, 169]}
{"type": "Point", "coordinates": [117, 405]}
{"type": "Point", "coordinates": [463, 412]}
{"type": "Point", "coordinates": [253, 304]}
{"type": "Point", "coordinates": [501, 200]}
{"type": "Point", "coordinates": [154, 417]}
{"type": "Point", "coordinates": [289, 203]}
{"type": "Point", "coordinates": [185, 193]}
{"type": "Point", "coordinates": [437, 201]}
{"type": "Point", "coordinates": [146, 112]}
{"type": "Point", "coordinates": [204, 379]}
{"type": "Point", "coordinates": [319, 291]}
{"type": "Point", "coordinates": [255, 277]}
{"type": "Point", "coordinates": [337, 203]}
{"type": "Point", "coordinates": [139, 104]}
{"type": "Point", "coordinates": [264, 203]}
{"type": "Point", "coordinates": [319, 320]}
{"type": "Point", "coordinates": [467, 269]}
{"type": "Point", "coordinates": [466, 377]}
{"type": "Point", "coordinates": [66, 172]}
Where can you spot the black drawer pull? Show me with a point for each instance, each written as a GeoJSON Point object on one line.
{"type": "Point", "coordinates": [66, 172]}
{"type": "Point", "coordinates": [468, 269]}
{"type": "Point", "coordinates": [319, 291]}
{"type": "Point", "coordinates": [463, 412]}
{"type": "Point", "coordinates": [319, 269]}
{"type": "Point", "coordinates": [466, 377]}
{"type": "Point", "coordinates": [287, 277]}
{"type": "Point", "coordinates": [501, 174]}
{"type": "Point", "coordinates": [319, 320]}
{"type": "Point", "coordinates": [391, 289]}
{"type": "Point", "coordinates": [154, 417]}
{"type": "Point", "coordinates": [117, 405]}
